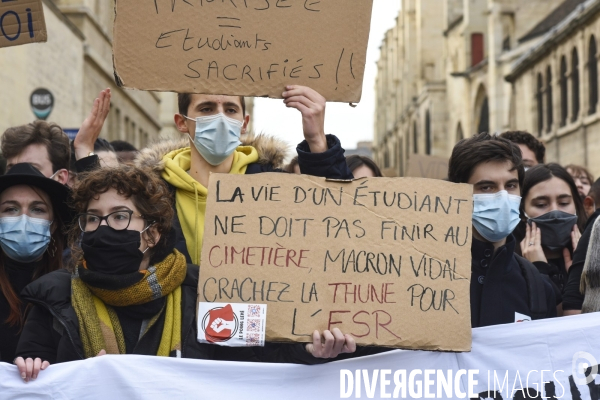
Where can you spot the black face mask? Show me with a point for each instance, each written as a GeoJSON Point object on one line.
{"type": "Point", "coordinates": [112, 252]}
{"type": "Point", "coordinates": [556, 227]}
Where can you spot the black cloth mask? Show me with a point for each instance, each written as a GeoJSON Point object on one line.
{"type": "Point", "coordinates": [112, 252]}
{"type": "Point", "coordinates": [556, 227]}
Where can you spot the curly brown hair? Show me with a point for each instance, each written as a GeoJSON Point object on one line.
{"type": "Point", "coordinates": [149, 194]}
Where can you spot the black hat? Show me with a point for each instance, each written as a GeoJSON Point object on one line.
{"type": "Point", "coordinates": [27, 174]}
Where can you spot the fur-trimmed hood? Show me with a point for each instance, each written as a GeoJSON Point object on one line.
{"type": "Point", "coordinates": [271, 150]}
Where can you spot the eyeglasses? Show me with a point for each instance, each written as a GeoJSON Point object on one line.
{"type": "Point", "coordinates": [118, 220]}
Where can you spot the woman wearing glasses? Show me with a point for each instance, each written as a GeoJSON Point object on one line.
{"type": "Point", "coordinates": [130, 293]}
{"type": "Point", "coordinates": [32, 211]}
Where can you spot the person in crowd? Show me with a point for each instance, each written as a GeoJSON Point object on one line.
{"type": "Point", "coordinates": [363, 167]}
{"type": "Point", "coordinates": [553, 218]}
{"type": "Point", "coordinates": [532, 150]}
{"type": "Point", "coordinates": [573, 297]}
{"type": "Point", "coordinates": [126, 152]}
{"type": "Point", "coordinates": [44, 145]}
{"type": "Point", "coordinates": [582, 177]}
{"type": "Point", "coordinates": [493, 165]}
{"type": "Point", "coordinates": [589, 281]}
{"type": "Point", "coordinates": [106, 153]}
{"type": "Point", "coordinates": [293, 167]}
{"type": "Point", "coordinates": [33, 213]}
{"type": "Point", "coordinates": [213, 125]}
{"type": "Point", "coordinates": [590, 201]}
{"type": "Point", "coordinates": [131, 291]}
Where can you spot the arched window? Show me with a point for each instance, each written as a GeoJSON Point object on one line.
{"type": "Point", "coordinates": [564, 99]}
{"type": "Point", "coordinates": [540, 104]}
{"type": "Point", "coordinates": [575, 84]}
{"type": "Point", "coordinates": [593, 75]}
{"type": "Point", "coordinates": [484, 117]}
{"type": "Point", "coordinates": [427, 133]}
{"type": "Point", "coordinates": [415, 138]}
{"type": "Point", "coordinates": [482, 110]}
{"type": "Point", "coordinates": [459, 133]}
{"type": "Point", "coordinates": [549, 101]}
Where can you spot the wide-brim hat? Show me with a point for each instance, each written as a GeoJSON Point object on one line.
{"type": "Point", "coordinates": [27, 174]}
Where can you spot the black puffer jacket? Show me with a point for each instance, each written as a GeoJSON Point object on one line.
{"type": "Point", "coordinates": [52, 328]}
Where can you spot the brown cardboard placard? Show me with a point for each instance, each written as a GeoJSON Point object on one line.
{"type": "Point", "coordinates": [243, 47]}
{"type": "Point", "coordinates": [386, 260]}
{"type": "Point", "coordinates": [22, 22]}
{"type": "Point", "coordinates": [432, 167]}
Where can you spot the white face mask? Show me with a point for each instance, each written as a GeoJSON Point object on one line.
{"type": "Point", "coordinates": [216, 137]}
{"type": "Point", "coordinates": [495, 215]}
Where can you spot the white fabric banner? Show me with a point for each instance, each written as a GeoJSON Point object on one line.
{"type": "Point", "coordinates": [511, 357]}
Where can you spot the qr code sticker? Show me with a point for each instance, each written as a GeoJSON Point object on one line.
{"type": "Point", "coordinates": [253, 338]}
{"type": "Point", "coordinates": [253, 311]}
{"type": "Point", "coordinates": [253, 325]}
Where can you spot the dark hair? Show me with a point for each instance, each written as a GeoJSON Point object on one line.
{"type": "Point", "coordinates": [356, 161]}
{"type": "Point", "coordinates": [17, 138]}
{"type": "Point", "coordinates": [290, 167]}
{"type": "Point", "coordinates": [578, 170]}
{"type": "Point", "coordinates": [526, 138]}
{"type": "Point", "coordinates": [52, 261]}
{"type": "Point", "coordinates": [544, 172]}
{"type": "Point", "coordinates": [103, 145]}
{"type": "Point", "coordinates": [149, 194]}
{"type": "Point", "coordinates": [121, 145]}
{"type": "Point", "coordinates": [184, 100]}
{"type": "Point", "coordinates": [595, 190]}
{"type": "Point", "coordinates": [469, 153]}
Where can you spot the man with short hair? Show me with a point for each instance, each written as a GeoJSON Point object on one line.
{"type": "Point", "coordinates": [505, 288]}
{"type": "Point", "coordinates": [41, 144]}
{"type": "Point", "coordinates": [532, 150]}
{"type": "Point", "coordinates": [126, 152]}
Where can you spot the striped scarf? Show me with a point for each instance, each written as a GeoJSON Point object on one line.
{"type": "Point", "coordinates": [99, 324]}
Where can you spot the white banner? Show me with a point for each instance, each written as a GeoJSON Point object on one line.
{"type": "Point", "coordinates": [546, 356]}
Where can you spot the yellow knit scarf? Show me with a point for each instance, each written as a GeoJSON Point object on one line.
{"type": "Point", "coordinates": [99, 325]}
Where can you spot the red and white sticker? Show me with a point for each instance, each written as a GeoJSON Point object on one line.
{"type": "Point", "coordinates": [232, 324]}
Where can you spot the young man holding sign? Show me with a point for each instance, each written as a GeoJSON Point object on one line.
{"type": "Point", "coordinates": [213, 125]}
{"type": "Point", "coordinates": [494, 167]}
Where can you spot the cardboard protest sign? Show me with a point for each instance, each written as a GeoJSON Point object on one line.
{"type": "Point", "coordinates": [386, 260]}
{"type": "Point", "coordinates": [22, 22]}
{"type": "Point", "coordinates": [431, 167]}
{"type": "Point", "coordinates": [243, 47]}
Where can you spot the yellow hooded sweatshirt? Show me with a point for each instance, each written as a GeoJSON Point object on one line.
{"type": "Point", "coordinates": [190, 196]}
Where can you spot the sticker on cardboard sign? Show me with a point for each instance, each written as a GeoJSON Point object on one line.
{"type": "Point", "coordinates": [232, 324]}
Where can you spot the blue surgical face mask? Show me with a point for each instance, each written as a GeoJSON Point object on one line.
{"type": "Point", "coordinates": [23, 238]}
{"type": "Point", "coordinates": [217, 136]}
{"type": "Point", "coordinates": [495, 215]}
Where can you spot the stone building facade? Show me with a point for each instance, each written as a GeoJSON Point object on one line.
{"type": "Point", "coordinates": [488, 65]}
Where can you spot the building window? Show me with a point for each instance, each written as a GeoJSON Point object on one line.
{"type": "Point", "coordinates": [484, 117]}
{"type": "Point", "coordinates": [415, 138]}
{"type": "Point", "coordinates": [540, 104]}
{"type": "Point", "coordinates": [386, 159]}
{"type": "Point", "coordinates": [593, 74]}
{"type": "Point", "coordinates": [459, 133]}
{"type": "Point", "coordinates": [549, 101]}
{"type": "Point", "coordinates": [477, 48]}
{"type": "Point", "coordinates": [427, 133]}
{"type": "Point", "coordinates": [575, 83]}
{"type": "Point", "coordinates": [564, 99]}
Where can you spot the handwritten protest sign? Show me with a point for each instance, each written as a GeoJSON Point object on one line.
{"type": "Point", "coordinates": [22, 22]}
{"type": "Point", "coordinates": [243, 47]}
{"type": "Point", "coordinates": [431, 167]}
{"type": "Point", "coordinates": [386, 260]}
